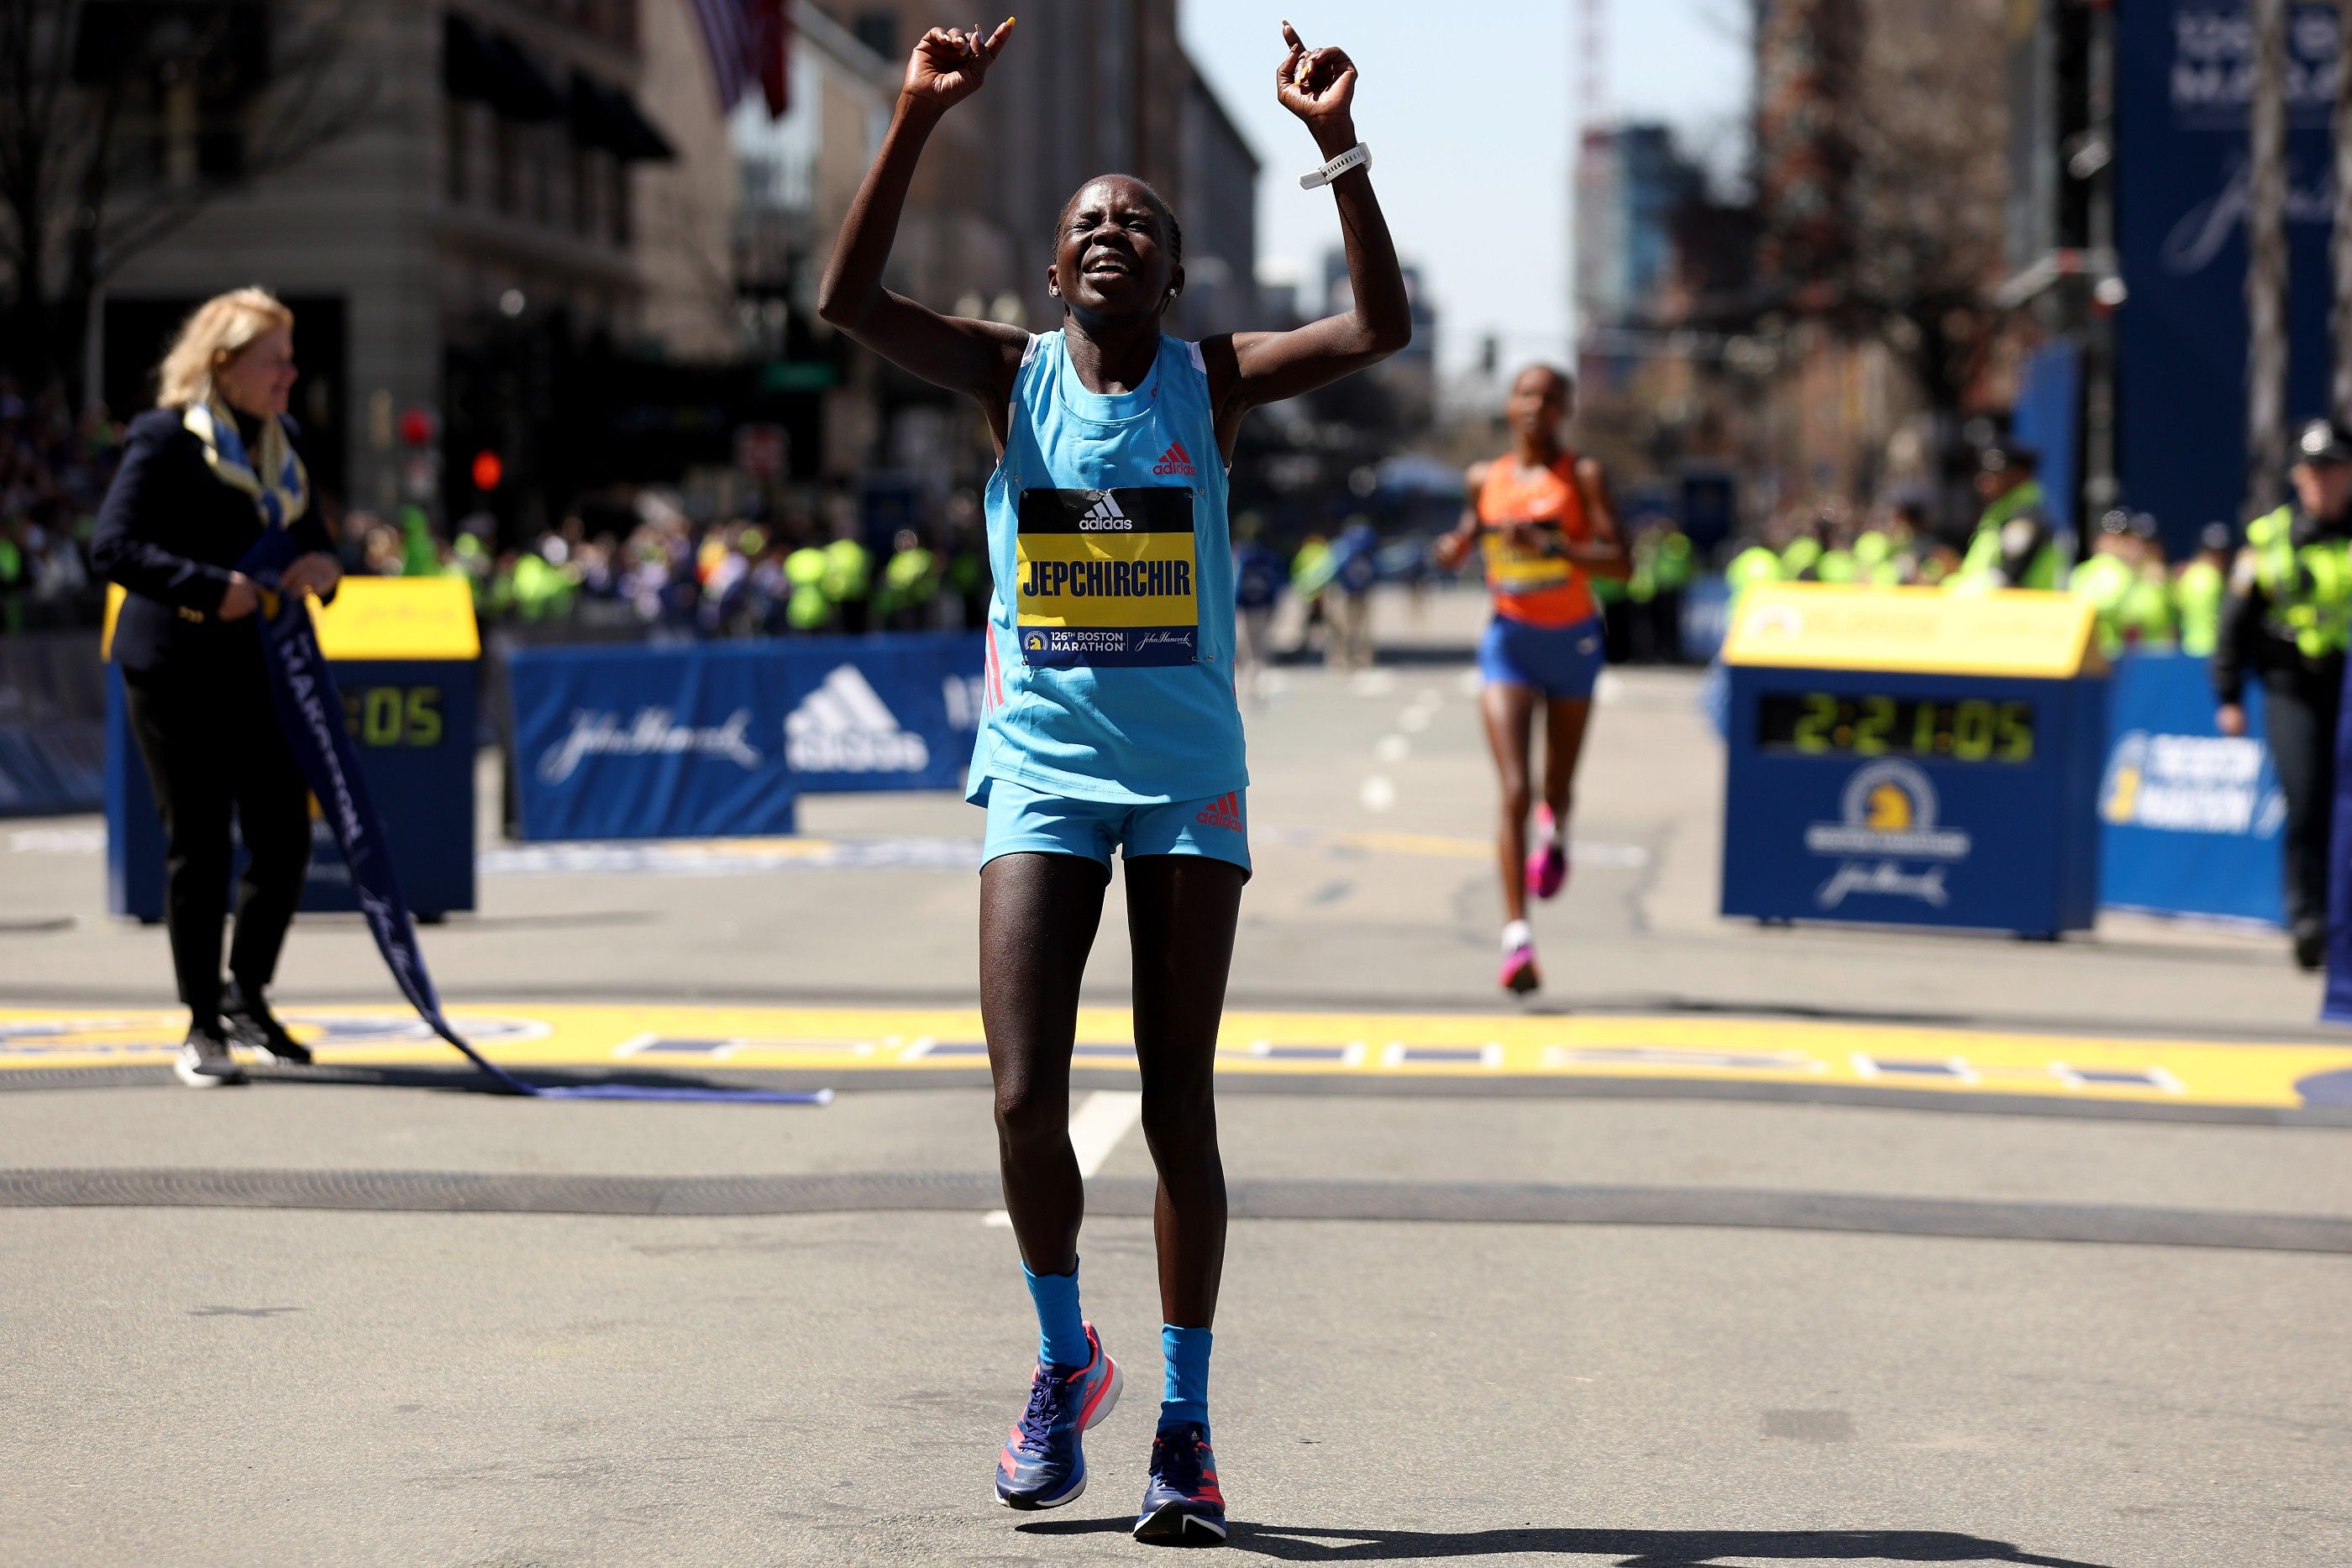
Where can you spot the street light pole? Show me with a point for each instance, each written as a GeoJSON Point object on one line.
{"type": "Point", "coordinates": [2341, 244]}
{"type": "Point", "coordinates": [2266, 271]}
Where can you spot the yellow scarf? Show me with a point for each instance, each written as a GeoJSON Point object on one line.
{"type": "Point", "coordinates": [282, 496]}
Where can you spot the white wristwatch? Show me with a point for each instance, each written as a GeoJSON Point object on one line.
{"type": "Point", "coordinates": [1360, 156]}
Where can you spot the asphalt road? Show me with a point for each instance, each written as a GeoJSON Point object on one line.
{"type": "Point", "coordinates": [1663, 1316]}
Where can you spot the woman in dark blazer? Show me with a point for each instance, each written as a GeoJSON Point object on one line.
{"type": "Point", "coordinates": [201, 476]}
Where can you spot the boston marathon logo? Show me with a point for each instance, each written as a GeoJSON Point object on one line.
{"type": "Point", "coordinates": [2191, 784]}
{"type": "Point", "coordinates": [1889, 812]}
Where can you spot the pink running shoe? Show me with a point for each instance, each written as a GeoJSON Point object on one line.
{"type": "Point", "coordinates": [1519, 976]}
{"type": "Point", "coordinates": [1547, 866]}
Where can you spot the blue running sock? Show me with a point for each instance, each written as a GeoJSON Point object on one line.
{"type": "Point", "coordinates": [1184, 1391]}
{"type": "Point", "coordinates": [1061, 1332]}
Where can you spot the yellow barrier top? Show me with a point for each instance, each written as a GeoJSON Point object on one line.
{"type": "Point", "coordinates": [2015, 634]}
{"type": "Point", "coordinates": [379, 618]}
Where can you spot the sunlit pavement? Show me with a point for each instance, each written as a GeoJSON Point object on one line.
{"type": "Point", "coordinates": [1738, 1245]}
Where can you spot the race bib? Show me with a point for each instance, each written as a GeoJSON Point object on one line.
{"type": "Point", "coordinates": [1107, 577]}
{"type": "Point", "coordinates": [1514, 568]}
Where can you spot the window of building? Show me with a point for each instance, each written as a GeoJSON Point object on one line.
{"type": "Point", "coordinates": [456, 148]}
{"type": "Point", "coordinates": [505, 174]}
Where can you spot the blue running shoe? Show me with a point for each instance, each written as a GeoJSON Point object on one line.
{"type": "Point", "coordinates": [1181, 1504]}
{"type": "Point", "coordinates": [1043, 1463]}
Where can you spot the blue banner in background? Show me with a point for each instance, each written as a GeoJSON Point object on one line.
{"type": "Point", "coordinates": [717, 740]}
{"type": "Point", "coordinates": [2183, 71]}
{"type": "Point", "coordinates": [638, 742]}
{"type": "Point", "coordinates": [2049, 398]}
{"type": "Point", "coordinates": [2190, 818]}
{"type": "Point", "coordinates": [2336, 1006]}
{"type": "Point", "coordinates": [895, 712]}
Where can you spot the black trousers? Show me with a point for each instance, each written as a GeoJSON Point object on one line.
{"type": "Point", "coordinates": [213, 746]}
{"type": "Point", "coordinates": [2299, 712]}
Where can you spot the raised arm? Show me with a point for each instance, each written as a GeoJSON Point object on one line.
{"type": "Point", "coordinates": [1320, 86]}
{"type": "Point", "coordinates": [978, 358]}
{"type": "Point", "coordinates": [1452, 549]}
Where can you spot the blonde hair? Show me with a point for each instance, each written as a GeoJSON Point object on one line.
{"type": "Point", "coordinates": [217, 331]}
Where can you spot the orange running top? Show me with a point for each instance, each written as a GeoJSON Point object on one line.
{"type": "Point", "coordinates": [1531, 581]}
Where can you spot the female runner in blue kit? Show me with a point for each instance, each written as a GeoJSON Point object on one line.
{"type": "Point", "coordinates": [1112, 721]}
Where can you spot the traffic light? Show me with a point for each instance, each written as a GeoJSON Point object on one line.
{"type": "Point", "coordinates": [489, 469]}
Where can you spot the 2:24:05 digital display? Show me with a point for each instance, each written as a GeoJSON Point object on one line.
{"type": "Point", "coordinates": [1965, 730]}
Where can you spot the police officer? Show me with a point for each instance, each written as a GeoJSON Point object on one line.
{"type": "Point", "coordinates": [203, 475]}
{"type": "Point", "coordinates": [2105, 580]}
{"type": "Point", "coordinates": [1758, 562]}
{"type": "Point", "coordinates": [2287, 621]}
{"type": "Point", "coordinates": [2014, 545]}
{"type": "Point", "coordinates": [2199, 590]}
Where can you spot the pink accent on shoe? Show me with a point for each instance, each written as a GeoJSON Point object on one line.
{"type": "Point", "coordinates": [1547, 863]}
{"type": "Point", "coordinates": [1519, 971]}
{"type": "Point", "coordinates": [1547, 870]}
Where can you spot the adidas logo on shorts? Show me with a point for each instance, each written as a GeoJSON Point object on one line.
{"type": "Point", "coordinates": [1224, 811]}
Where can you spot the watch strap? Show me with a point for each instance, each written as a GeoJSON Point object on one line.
{"type": "Point", "coordinates": [1355, 157]}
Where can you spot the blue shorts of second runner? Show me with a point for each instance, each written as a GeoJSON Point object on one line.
{"type": "Point", "coordinates": [1560, 661]}
{"type": "Point", "coordinates": [1021, 820]}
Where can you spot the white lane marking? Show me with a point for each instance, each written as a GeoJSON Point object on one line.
{"type": "Point", "coordinates": [57, 840]}
{"type": "Point", "coordinates": [1413, 720]}
{"type": "Point", "coordinates": [1371, 683]}
{"type": "Point", "coordinates": [1102, 1120]}
{"type": "Point", "coordinates": [1609, 688]}
{"type": "Point", "coordinates": [1378, 794]}
{"type": "Point", "coordinates": [1392, 749]}
{"type": "Point", "coordinates": [1469, 683]}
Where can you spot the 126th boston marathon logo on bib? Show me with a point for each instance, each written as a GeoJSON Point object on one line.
{"type": "Point", "coordinates": [1108, 578]}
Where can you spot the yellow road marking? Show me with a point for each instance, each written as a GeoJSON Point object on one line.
{"type": "Point", "coordinates": [1356, 1045]}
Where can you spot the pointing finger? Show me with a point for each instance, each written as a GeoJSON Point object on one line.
{"type": "Point", "coordinates": [1290, 37]}
{"type": "Point", "coordinates": [996, 39]}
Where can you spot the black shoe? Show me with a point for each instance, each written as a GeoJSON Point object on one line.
{"type": "Point", "coordinates": [2311, 946]}
{"type": "Point", "coordinates": [205, 1061]}
{"type": "Point", "coordinates": [252, 1025]}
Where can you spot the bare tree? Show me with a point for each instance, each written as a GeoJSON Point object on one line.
{"type": "Point", "coordinates": [1881, 177]}
{"type": "Point", "coordinates": [1927, 124]}
{"type": "Point", "coordinates": [105, 108]}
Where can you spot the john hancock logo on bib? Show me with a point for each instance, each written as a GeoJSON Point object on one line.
{"type": "Point", "coordinates": [1108, 578]}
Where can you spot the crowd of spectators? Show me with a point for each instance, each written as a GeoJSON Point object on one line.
{"type": "Point", "coordinates": [668, 574]}
{"type": "Point", "coordinates": [54, 470]}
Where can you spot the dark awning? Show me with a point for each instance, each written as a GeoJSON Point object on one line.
{"type": "Point", "coordinates": [229, 38]}
{"type": "Point", "coordinates": [609, 118]}
{"type": "Point", "coordinates": [490, 68]}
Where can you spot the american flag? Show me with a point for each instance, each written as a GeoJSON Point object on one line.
{"type": "Point", "coordinates": [748, 41]}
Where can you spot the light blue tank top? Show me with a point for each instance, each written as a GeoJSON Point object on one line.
{"type": "Point", "coordinates": [1110, 652]}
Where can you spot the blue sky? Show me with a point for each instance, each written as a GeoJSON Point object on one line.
{"type": "Point", "coordinates": [1467, 107]}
